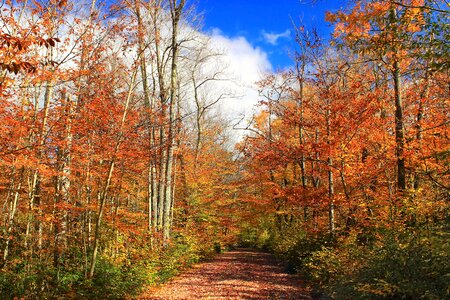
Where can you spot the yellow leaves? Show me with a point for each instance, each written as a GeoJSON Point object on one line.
{"type": "Point", "coordinates": [48, 218]}
{"type": "Point", "coordinates": [261, 119]}
{"type": "Point", "coordinates": [371, 21]}
{"type": "Point", "coordinates": [339, 29]}
{"type": "Point", "coordinates": [378, 7]}
{"type": "Point", "coordinates": [331, 17]}
{"type": "Point", "coordinates": [417, 3]}
{"type": "Point", "coordinates": [380, 287]}
{"type": "Point", "coordinates": [414, 20]}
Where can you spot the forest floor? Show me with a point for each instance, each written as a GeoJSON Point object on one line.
{"type": "Point", "coordinates": [239, 274]}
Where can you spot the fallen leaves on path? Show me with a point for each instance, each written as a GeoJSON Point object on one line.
{"type": "Point", "coordinates": [241, 274]}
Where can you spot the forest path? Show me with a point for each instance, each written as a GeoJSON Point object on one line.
{"type": "Point", "coordinates": [239, 274]}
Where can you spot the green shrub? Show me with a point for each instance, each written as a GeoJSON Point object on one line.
{"type": "Point", "coordinates": [373, 263]}
{"type": "Point", "coordinates": [409, 266]}
{"type": "Point", "coordinates": [183, 252]}
{"type": "Point", "coordinates": [112, 282]}
{"type": "Point", "coordinates": [296, 250]}
{"type": "Point", "coordinates": [7, 287]}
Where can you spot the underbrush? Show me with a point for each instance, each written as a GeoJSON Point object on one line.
{"type": "Point", "coordinates": [406, 263]}
{"type": "Point", "coordinates": [115, 277]}
{"type": "Point", "coordinates": [401, 261]}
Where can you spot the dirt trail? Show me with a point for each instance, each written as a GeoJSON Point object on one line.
{"type": "Point", "coordinates": [240, 274]}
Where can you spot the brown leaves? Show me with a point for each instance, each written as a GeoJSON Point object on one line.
{"type": "Point", "coordinates": [23, 43]}
{"type": "Point", "coordinates": [234, 275]}
{"type": "Point", "coordinates": [16, 67]}
{"type": "Point", "coordinates": [51, 42]}
{"type": "Point", "coordinates": [9, 41]}
{"type": "Point", "coordinates": [62, 3]}
{"type": "Point", "coordinates": [16, 46]}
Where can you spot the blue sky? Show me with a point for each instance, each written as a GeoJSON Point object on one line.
{"type": "Point", "coordinates": [266, 24]}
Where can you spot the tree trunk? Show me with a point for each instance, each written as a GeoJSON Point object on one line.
{"type": "Point", "coordinates": [399, 130]}
{"type": "Point", "coordinates": [99, 218]}
{"type": "Point", "coordinates": [331, 225]}
{"type": "Point", "coordinates": [423, 95]}
{"type": "Point", "coordinates": [107, 184]}
{"type": "Point", "coordinates": [399, 122]}
{"type": "Point", "coordinates": [176, 10]}
{"type": "Point", "coordinates": [148, 104]}
{"type": "Point", "coordinates": [12, 213]}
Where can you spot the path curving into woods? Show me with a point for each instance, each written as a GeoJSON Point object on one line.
{"type": "Point", "coordinates": [239, 274]}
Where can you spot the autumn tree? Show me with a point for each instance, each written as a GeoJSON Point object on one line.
{"type": "Point", "coordinates": [343, 134]}
{"type": "Point", "coordinates": [386, 32]}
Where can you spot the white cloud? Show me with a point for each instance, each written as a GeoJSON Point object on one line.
{"type": "Point", "coordinates": [246, 64]}
{"type": "Point", "coordinates": [272, 38]}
